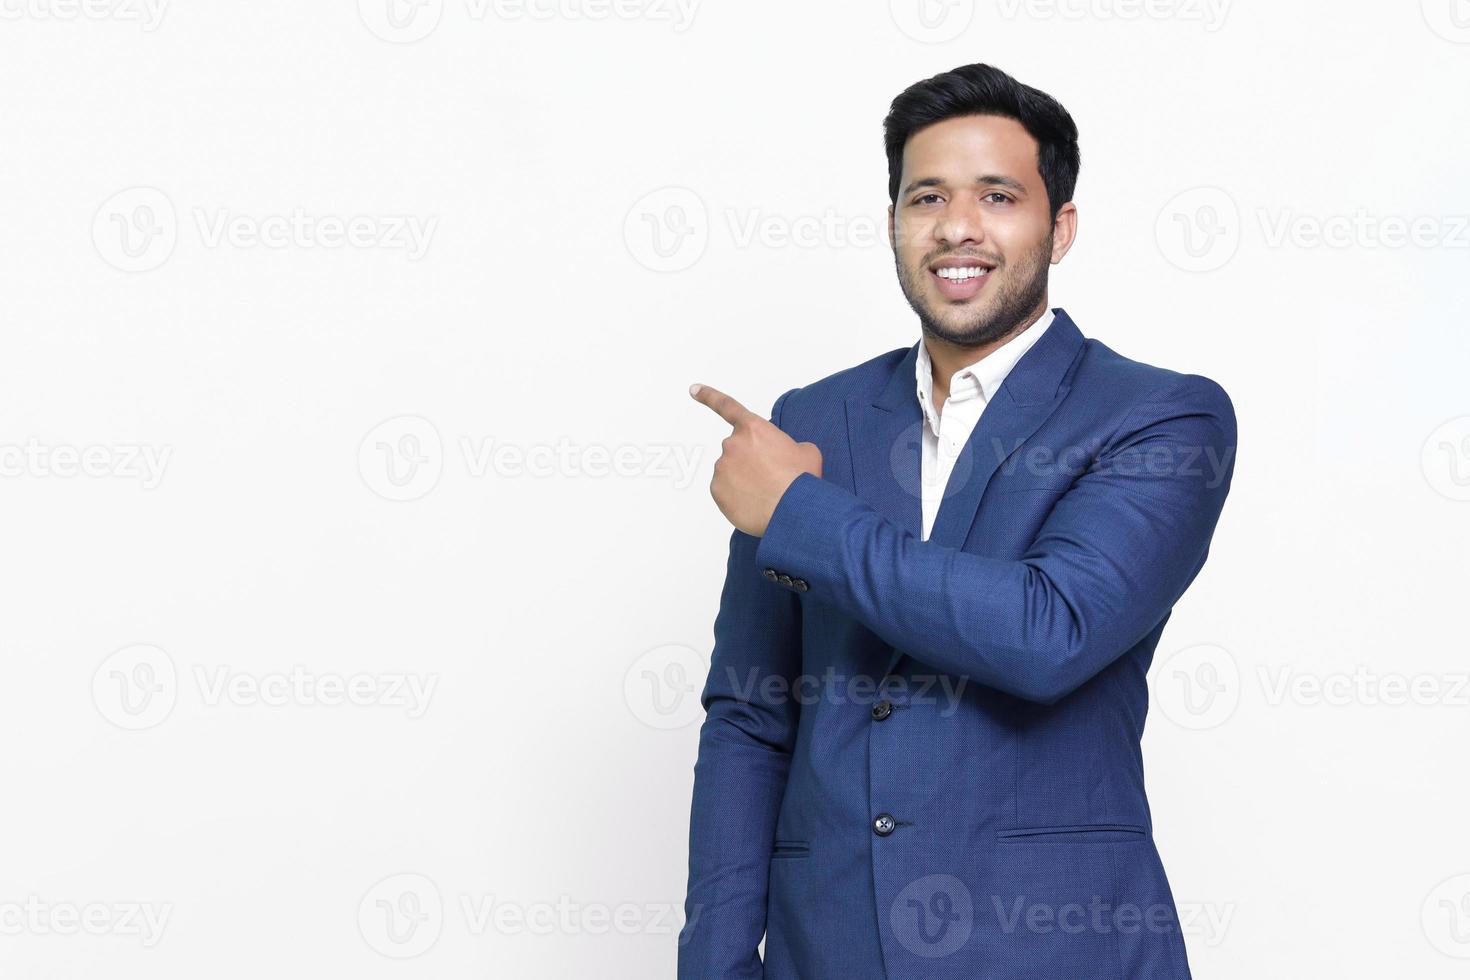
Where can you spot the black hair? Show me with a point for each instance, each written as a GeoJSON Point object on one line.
{"type": "Point", "coordinates": [984, 90]}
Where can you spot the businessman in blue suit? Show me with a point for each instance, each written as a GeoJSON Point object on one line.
{"type": "Point", "coordinates": [950, 567]}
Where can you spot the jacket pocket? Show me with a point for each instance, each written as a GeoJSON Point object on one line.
{"type": "Point", "coordinates": [785, 849]}
{"type": "Point", "coordinates": [1073, 834]}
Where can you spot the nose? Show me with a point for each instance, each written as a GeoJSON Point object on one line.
{"type": "Point", "coordinates": [961, 223]}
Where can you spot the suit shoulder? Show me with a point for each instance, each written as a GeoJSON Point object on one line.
{"type": "Point", "coordinates": [819, 397]}
{"type": "Point", "coordinates": [1133, 381]}
{"type": "Point", "coordinates": [1136, 386]}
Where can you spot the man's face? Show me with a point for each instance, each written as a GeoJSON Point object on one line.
{"type": "Point", "coordinates": [972, 232]}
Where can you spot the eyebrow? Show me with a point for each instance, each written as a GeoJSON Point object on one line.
{"type": "Point", "coordinates": [1000, 180]}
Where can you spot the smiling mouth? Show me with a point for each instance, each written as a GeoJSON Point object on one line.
{"type": "Point", "coordinates": [961, 282]}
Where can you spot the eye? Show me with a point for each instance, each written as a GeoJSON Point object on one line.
{"type": "Point", "coordinates": [1004, 198]}
{"type": "Point", "coordinates": [925, 197]}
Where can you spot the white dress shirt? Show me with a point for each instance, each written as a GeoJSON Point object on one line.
{"type": "Point", "coordinates": [970, 390]}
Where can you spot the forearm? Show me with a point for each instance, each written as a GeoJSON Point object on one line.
{"type": "Point", "coordinates": [1114, 554]}
{"type": "Point", "coordinates": [998, 622]}
{"type": "Point", "coordinates": [745, 749]}
{"type": "Point", "coordinates": [738, 786]}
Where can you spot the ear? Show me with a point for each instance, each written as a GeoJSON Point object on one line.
{"type": "Point", "coordinates": [891, 245]}
{"type": "Point", "coordinates": [1063, 231]}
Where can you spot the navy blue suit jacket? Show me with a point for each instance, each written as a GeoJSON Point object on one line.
{"type": "Point", "coordinates": [921, 759]}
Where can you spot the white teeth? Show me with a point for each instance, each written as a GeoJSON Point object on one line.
{"type": "Point", "coordinates": [961, 274]}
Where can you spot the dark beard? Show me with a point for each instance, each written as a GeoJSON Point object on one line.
{"type": "Point", "coordinates": [1015, 304]}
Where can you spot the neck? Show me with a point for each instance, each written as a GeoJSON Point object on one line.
{"type": "Point", "coordinates": [946, 358]}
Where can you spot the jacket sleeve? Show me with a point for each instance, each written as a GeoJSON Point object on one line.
{"type": "Point", "coordinates": [1116, 551]}
{"type": "Point", "coordinates": [745, 748]}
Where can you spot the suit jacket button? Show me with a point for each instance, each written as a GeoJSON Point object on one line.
{"type": "Point", "coordinates": [784, 579]}
{"type": "Point", "coordinates": [800, 584]}
{"type": "Point", "coordinates": [882, 710]}
{"type": "Point", "coordinates": [770, 573]}
{"type": "Point", "coordinates": [883, 825]}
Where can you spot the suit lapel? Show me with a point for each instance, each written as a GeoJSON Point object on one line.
{"type": "Point", "coordinates": [884, 442]}
{"type": "Point", "coordinates": [884, 436]}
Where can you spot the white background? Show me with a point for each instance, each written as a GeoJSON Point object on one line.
{"type": "Point", "coordinates": [533, 798]}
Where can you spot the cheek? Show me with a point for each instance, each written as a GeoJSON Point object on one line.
{"type": "Point", "coordinates": [911, 239]}
{"type": "Point", "coordinates": [1019, 237]}
{"type": "Point", "coordinates": [1016, 244]}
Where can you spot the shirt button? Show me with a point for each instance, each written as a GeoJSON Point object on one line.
{"type": "Point", "coordinates": [882, 710]}
{"type": "Point", "coordinates": [883, 825]}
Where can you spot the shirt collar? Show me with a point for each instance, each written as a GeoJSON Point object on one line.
{"type": "Point", "coordinates": [982, 378]}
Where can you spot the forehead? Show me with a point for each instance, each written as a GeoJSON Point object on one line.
{"type": "Point", "coordinates": [964, 146]}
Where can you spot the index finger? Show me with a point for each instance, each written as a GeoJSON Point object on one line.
{"type": "Point", "coordinates": [723, 405]}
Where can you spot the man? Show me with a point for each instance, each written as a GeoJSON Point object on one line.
{"type": "Point", "coordinates": [950, 569]}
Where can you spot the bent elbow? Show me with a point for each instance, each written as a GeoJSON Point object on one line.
{"type": "Point", "coordinates": [1044, 687]}
{"type": "Point", "coordinates": [1052, 675]}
